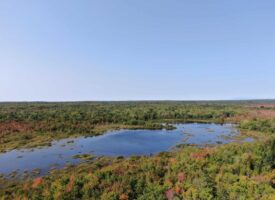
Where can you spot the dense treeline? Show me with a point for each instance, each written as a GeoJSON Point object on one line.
{"type": "Point", "coordinates": [111, 112]}
{"type": "Point", "coordinates": [32, 124]}
{"type": "Point", "coordinates": [233, 171]}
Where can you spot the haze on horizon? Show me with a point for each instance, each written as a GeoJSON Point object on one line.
{"type": "Point", "coordinates": [137, 50]}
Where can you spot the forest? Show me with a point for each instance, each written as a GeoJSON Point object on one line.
{"type": "Point", "coordinates": [230, 171]}
{"type": "Point", "coordinates": [34, 124]}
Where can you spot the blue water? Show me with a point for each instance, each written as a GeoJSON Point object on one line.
{"type": "Point", "coordinates": [114, 143]}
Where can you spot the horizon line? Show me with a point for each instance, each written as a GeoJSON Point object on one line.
{"type": "Point", "coordinates": [144, 100]}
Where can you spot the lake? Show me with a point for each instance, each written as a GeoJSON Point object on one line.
{"type": "Point", "coordinates": [114, 143]}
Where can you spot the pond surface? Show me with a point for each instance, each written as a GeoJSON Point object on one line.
{"type": "Point", "coordinates": [114, 143]}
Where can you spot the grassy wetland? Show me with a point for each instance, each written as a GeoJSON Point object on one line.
{"type": "Point", "coordinates": [237, 170]}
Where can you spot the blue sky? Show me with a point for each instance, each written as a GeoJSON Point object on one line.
{"type": "Point", "coordinates": [136, 49]}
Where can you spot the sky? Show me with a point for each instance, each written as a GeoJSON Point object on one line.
{"type": "Point", "coordinates": [137, 50]}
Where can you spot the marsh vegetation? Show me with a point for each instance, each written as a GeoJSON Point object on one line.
{"type": "Point", "coordinates": [225, 171]}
